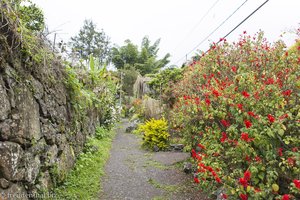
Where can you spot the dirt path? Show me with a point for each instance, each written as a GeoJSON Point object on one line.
{"type": "Point", "coordinates": [135, 174]}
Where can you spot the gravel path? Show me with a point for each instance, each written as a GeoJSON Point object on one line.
{"type": "Point", "coordinates": [136, 174]}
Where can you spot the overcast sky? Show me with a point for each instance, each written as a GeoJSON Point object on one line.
{"type": "Point", "coordinates": [179, 23]}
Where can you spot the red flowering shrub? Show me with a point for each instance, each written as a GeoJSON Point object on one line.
{"type": "Point", "coordinates": [241, 102]}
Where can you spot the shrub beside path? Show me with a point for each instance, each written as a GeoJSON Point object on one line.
{"type": "Point", "coordinates": [135, 174]}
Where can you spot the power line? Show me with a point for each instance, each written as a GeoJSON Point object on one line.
{"type": "Point", "coordinates": [202, 18]}
{"type": "Point", "coordinates": [213, 31]}
{"type": "Point", "coordinates": [245, 19]}
{"type": "Point", "coordinates": [241, 23]}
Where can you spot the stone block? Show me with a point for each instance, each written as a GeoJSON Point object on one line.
{"type": "Point", "coordinates": [27, 130]}
{"type": "Point", "coordinates": [4, 101]}
{"type": "Point", "coordinates": [32, 167]}
{"type": "Point", "coordinates": [11, 165]}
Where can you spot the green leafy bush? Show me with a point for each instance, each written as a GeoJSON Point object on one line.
{"type": "Point", "coordinates": [155, 133]}
{"type": "Point", "coordinates": [239, 108]}
{"type": "Point", "coordinates": [101, 133]}
{"type": "Point", "coordinates": [162, 83]}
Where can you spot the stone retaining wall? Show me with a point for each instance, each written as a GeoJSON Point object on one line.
{"type": "Point", "coordinates": [40, 132]}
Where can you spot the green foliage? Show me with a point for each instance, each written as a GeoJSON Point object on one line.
{"type": "Point", "coordinates": [155, 133]}
{"type": "Point", "coordinates": [136, 110]}
{"type": "Point", "coordinates": [129, 77]}
{"type": "Point", "coordinates": [83, 182]}
{"type": "Point", "coordinates": [22, 21]}
{"type": "Point", "coordinates": [102, 133]}
{"type": "Point", "coordinates": [162, 83]}
{"type": "Point", "coordinates": [238, 107]}
{"type": "Point", "coordinates": [126, 55]}
{"type": "Point", "coordinates": [32, 17]}
{"type": "Point", "coordinates": [145, 60]}
{"type": "Point", "coordinates": [93, 89]}
{"type": "Point", "coordinates": [89, 41]}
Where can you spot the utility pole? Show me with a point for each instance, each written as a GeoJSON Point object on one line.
{"type": "Point", "coordinates": [121, 73]}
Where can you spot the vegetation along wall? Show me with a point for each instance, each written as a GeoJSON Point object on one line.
{"type": "Point", "coordinates": [46, 111]}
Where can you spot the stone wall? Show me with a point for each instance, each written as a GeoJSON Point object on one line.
{"type": "Point", "coordinates": [40, 133]}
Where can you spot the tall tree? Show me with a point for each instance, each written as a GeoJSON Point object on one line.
{"type": "Point", "coordinates": [144, 60]}
{"type": "Point", "coordinates": [90, 41]}
{"type": "Point", "coordinates": [126, 55]}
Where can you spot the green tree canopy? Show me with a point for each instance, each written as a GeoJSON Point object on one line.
{"type": "Point", "coordinates": [90, 41]}
{"type": "Point", "coordinates": [125, 55]}
{"type": "Point", "coordinates": [143, 59]}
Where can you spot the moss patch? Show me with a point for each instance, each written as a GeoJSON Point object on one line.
{"type": "Point", "coordinates": [157, 165]}
{"type": "Point", "coordinates": [168, 188]}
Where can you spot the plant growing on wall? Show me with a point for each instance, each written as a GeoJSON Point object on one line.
{"type": "Point", "coordinates": [94, 88]}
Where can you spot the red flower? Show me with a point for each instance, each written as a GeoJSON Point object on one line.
{"type": "Point", "coordinates": [201, 146]}
{"type": "Point", "coordinates": [256, 95]}
{"type": "Point", "coordinates": [250, 113]}
{"type": "Point", "coordinates": [269, 81]}
{"type": "Point", "coordinates": [295, 149]}
{"type": "Point", "coordinates": [271, 118]}
{"type": "Point", "coordinates": [243, 182]}
{"type": "Point", "coordinates": [196, 180]}
{"type": "Point", "coordinates": [224, 196]}
{"type": "Point", "coordinates": [198, 157]}
{"type": "Point", "coordinates": [247, 123]}
{"type": "Point", "coordinates": [280, 151]}
{"type": "Point", "coordinates": [286, 197]}
{"type": "Point", "coordinates": [287, 92]}
{"type": "Point", "coordinates": [297, 183]}
{"type": "Point", "coordinates": [197, 100]}
{"type": "Point", "coordinates": [216, 93]}
{"type": "Point", "coordinates": [291, 161]}
{"type": "Point", "coordinates": [283, 116]}
{"type": "Point", "coordinates": [194, 154]}
{"type": "Point", "coordinates": [207, 101]}
{"type": "Point", "coordinates": [245, 94]}
{"type": "Point", "coordinates": [214, 173]}
{"type": "Point", "coordinates": [233, 68]}
{"type": "Point", "coordinates": [257, 189]}
{"type": "Point", "coordinates": [218, 180]}
{"type": "Point", "coordinates": [247, 175]}
{"type": "Point", "coordinates": [245, 137]}
{"type": "Point", "coordinates": [243, 196]}
{"type": "Point", "coordinates": [240, 106]}
{"type": "Point", "coordinates": [247, 158]}
{"type": "Point", "coordinates": [225, 123]}
{"type": "Point", "coordinates": [224, 137]}
{"type": "Point", "coordinates": [286, 53]}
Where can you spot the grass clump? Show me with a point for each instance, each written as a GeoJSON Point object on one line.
{"type": "Point", "coordinates": [84, 181]}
